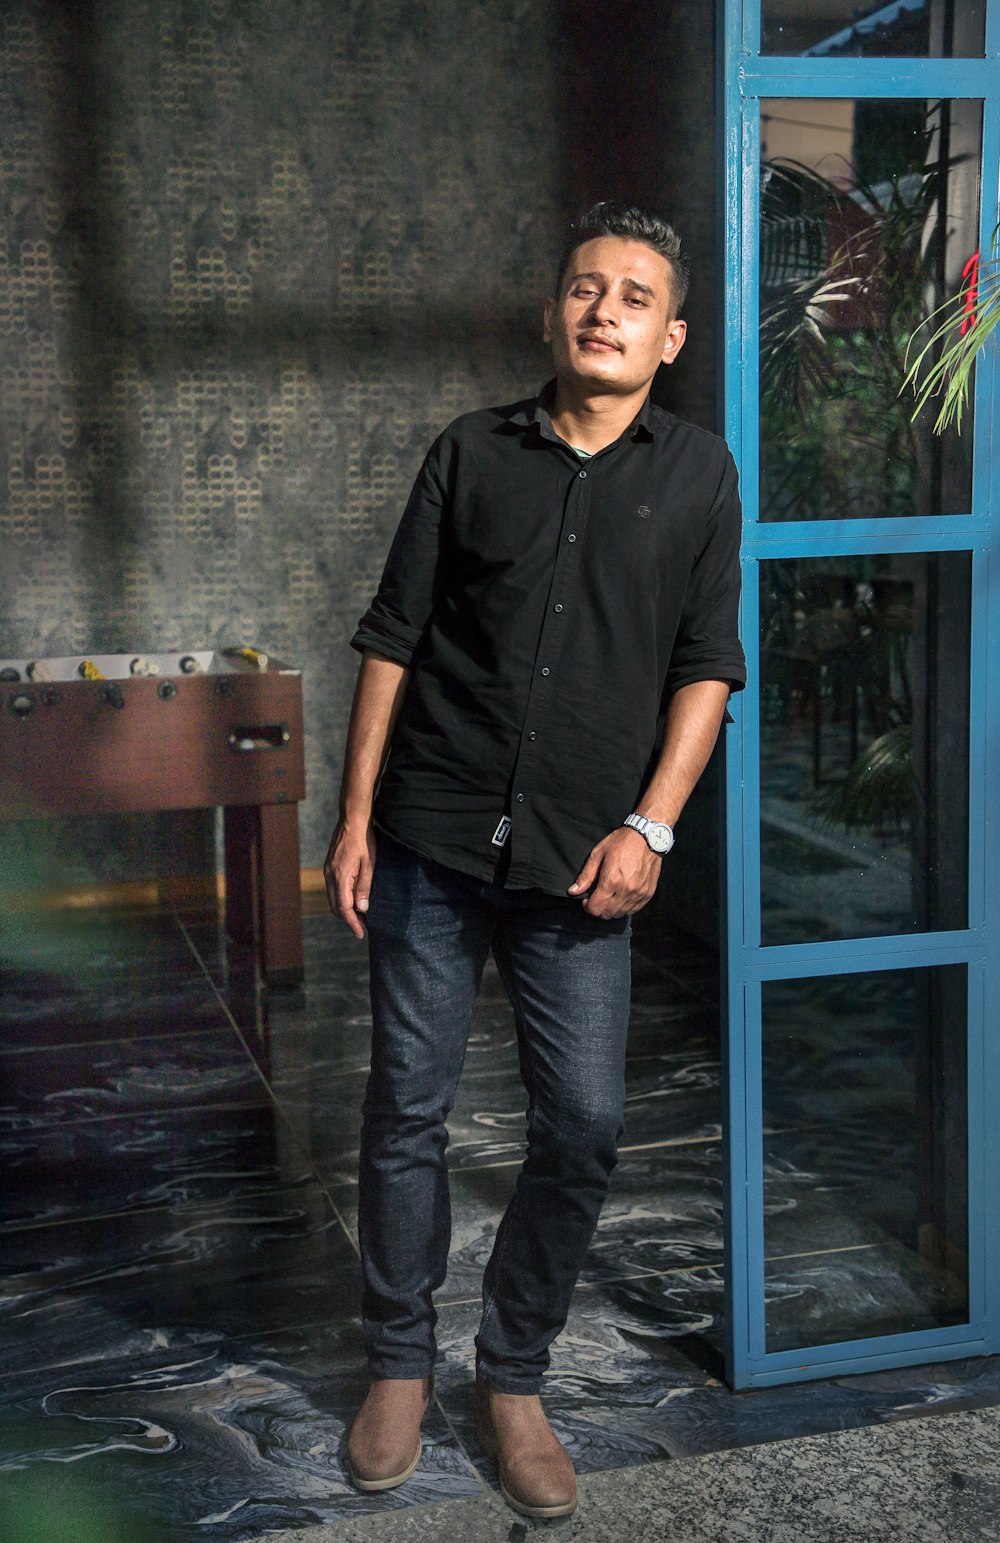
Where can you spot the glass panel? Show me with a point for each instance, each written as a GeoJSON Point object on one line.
{"type": "Point", "coordinates": [838, 29]}
{"type": "Point", "coordinates": [869, 223]}
{"type": "Point", "coordinates": [864, 692]}
{"type": "Point", "coordinates": [865, 1155]}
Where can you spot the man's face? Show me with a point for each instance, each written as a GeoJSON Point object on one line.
{"type": "Point", "coordinates": [613, 322]}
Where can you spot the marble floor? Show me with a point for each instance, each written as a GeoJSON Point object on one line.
{"type": "Point", "coordinates": [179, 1343]}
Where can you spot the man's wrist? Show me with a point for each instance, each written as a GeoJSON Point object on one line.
{"type": "Point", "coordinates": [355, 817]}
{"type": "Point", "coordinates": [657, 834]}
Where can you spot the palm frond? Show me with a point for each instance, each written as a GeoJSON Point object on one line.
{"type": "Point", "coordinates": [793, 327]}
{"type": "Point", "coordinates": [878, 787]}
{"type": "Point", "coordinates": [949, 375]}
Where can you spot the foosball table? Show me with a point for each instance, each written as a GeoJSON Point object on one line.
{"type": "Point", "coordinates": [114, 733]}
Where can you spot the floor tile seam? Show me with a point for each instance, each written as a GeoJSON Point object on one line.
{"type": "Point", "coordinates": [675, 980]}
{"type": "Point", "coordinates": [470, 1070]}
{"type": "Point", "coordinates": [595, 1285]}
{"type": "Point", "coordinates": [582, 1285]}
{"type": "Point", "coordinates": [693, 1269]}
{"type": "Point", "coordinates": [668, 1055]}
{"type": "Point", "coordinates": [674, 1270]}
{"type": "Point", "coordinates": [199, 1349]}
{"type": "Point", "coordinates": [189, 1207]}
{"type": "Point", "coordinates": [297, 1142]}
{"type": "Point", "coordinates": [691, 1141]}
{"type": "Point", "coordinates": [132, 1112]}
{"type": "Point", "coordinates": [671, 1143]}
{"type": "Point", "coordinates": [456, 1170]}
{"type": "Point", "coordinates": [94, 966]}
{"type": "Point", "coordinates": [647, 1274]}
{"type": "Point", "coordinates": [484, 1488]}
{"type": "Point", "coordinates": [350, 1232]}
{"type": "Point", "coordinates": [112, 1039]}
{"type": "Point", "coordinates": [821, 1253]}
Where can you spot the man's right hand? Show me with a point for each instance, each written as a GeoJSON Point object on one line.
{"type": "Point", "coordinates": [348, 870]}
{"type": "Point", "coordinates": [350, 861]}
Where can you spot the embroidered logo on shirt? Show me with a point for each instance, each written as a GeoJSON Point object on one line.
{"type": "Point", "coordinates": [644, 511]}
{"type": "Point", "coordinates": [502, 832]}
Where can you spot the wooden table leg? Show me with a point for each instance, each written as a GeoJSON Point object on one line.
{"type": "Point", "coordinates": [242, 904]}
{"type": "Point", "coordinates": [279, 895]}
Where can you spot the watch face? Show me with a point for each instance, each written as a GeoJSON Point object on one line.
{"type": "Point", "coordinates": [660, 837]}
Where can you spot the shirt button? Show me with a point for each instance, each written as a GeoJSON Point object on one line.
{"type": "Point", "coordinates": [583, 474]}
{"type": "Point", "coordinates": [557, 609]}
{"type": "Point", "coordinates": [545, 669]}
{"type": "Point", "coordinates": [570, 538]}
{"type": "Point", "coordinates": [520, 798]}
{"type": "Point", "coordinates": [532, 735]}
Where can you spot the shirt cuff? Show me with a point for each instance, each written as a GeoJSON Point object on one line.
{"type": "Point", "coordinates": [397, 643]}
{"type": "Point", "coordinates": [731, 669]}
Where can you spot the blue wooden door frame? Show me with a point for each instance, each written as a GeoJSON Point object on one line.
{"type": "Point", "coordinates": [746, 77]}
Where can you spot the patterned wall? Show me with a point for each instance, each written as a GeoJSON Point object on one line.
{"type": "Point", "coordinates": [254, 254]}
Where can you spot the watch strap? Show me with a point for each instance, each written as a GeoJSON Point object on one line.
{"type": "Point", "coordinates": [644, 826]}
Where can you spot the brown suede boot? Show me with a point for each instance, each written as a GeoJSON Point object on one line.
{"type": "Point", "coordinates": [536, 1475]}
{"type": "Point", "coordinates": [384, 1445]}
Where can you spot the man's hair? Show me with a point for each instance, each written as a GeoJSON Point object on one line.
{"type": "Point", "coordinates": [629, 224]}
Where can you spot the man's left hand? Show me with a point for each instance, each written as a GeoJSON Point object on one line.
{"type": "Point", "coordinates": [619, 876]}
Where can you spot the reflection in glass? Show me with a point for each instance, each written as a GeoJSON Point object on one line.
{"type": "Point", "coordinates": [869, 221]}
{"type": "Point", "coordinates": [865, 1179]}
{"type": "Point", "coordinates": [838, 29]}
{"type": "Point", "coordinates": [864, 692]}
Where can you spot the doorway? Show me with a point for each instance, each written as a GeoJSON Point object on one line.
{"type": "Point", "coordinates": [861, 179]}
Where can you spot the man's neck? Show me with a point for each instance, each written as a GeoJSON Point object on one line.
{"type": "Point", "coordinates": [592, 421]}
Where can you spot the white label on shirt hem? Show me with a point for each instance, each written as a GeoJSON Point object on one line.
{"type": "Point", "coordinates": [502, 832]}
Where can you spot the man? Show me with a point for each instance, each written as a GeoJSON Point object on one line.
{"type": "Point", "coordinates": [565, 568]}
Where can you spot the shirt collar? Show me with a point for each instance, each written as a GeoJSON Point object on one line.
{"type": "Point", "coordinates": [535, 413]}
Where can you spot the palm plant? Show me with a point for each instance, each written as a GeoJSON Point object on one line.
{"type": "Point", "coordinates": [964, 325]}
{"type": "Point", "coordinates": [833, 340]}
{"type": "Point", "coordinates": [847, 268]}
{"type": "Point", "coordinates": [835, 324]}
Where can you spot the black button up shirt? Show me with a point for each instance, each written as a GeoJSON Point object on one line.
{"type": "Point", "coordinates": [546, 607]}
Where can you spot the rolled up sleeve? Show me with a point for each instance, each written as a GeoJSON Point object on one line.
{"type": "Point", "coordinates": [707, 645]}
{"type": "Point", "coordinates": [396, 620]}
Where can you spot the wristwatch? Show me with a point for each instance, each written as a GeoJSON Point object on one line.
{"type": "Point", "coordinates": [659, 838]}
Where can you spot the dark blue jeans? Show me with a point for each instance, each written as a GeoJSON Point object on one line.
{"type": "Point", "coordinates": [567, 975]}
